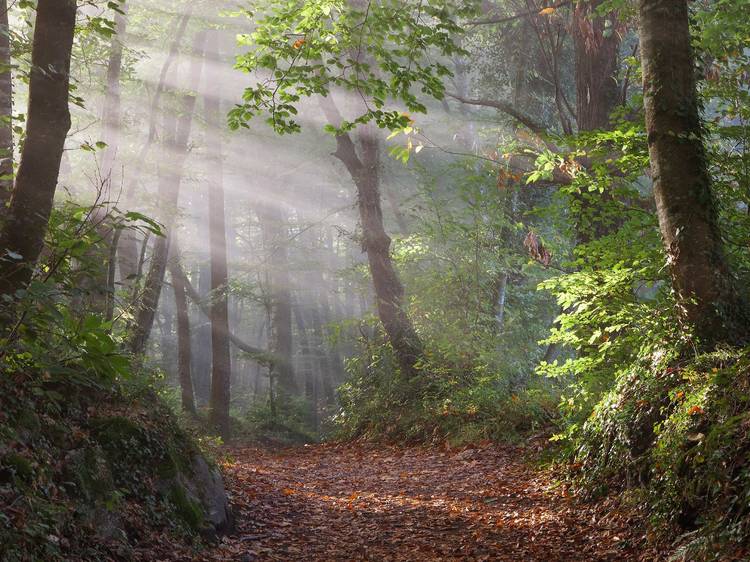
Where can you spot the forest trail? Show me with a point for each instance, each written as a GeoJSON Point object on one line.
{"type": "Point", "coordinates": [355, 502]}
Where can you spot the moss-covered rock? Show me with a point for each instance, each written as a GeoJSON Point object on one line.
{"type": "Point", "coordinates": [89, 475]}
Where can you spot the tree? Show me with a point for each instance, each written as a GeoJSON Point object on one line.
{"type": "Point", "coordinates": [221, 365]}
{"type": "Point", "coordinates": [48, 122]}
{"type": "Point", "coordinates": [597, 46]}
{"type": "Point", "coordinates": [707, 297]}
{"type": "Point", "coordinates": [389, 292]}
{"type": "Point", "coordinates": [176, 138]}
{"type": "Point", "coordinates": [275, 234]}
{"type": "Point", "coordinates": [344, 48]}
{"type": "Point", "coordinates": [6, 110]}
{"type": "Point", "coordinates": [111, 121]}
{"type": "Point", "coordinates": [183, 332]}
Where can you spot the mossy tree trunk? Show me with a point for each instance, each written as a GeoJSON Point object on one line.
{"type": "Point", "coordinates": [703, 283]}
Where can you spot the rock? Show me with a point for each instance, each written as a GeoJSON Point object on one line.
{"type": "Point", "coordinates": [210, 489]}
{"type": "Point", "coordinates": [201, 486]}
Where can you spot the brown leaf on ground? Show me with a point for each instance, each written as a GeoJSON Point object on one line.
{"type": "Point", "coordinates": [353, 502]}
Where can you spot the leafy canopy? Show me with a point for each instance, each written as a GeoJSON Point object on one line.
{"type": "Point", "coordinates": [385, 51]}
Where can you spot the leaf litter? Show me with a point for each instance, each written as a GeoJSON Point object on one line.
{"type": "Point", "coordinates": [337, 502]}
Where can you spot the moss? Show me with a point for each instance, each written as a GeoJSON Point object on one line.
{"type": "Point", "coordinates": [187, 509]}
{"type": "Point", "coordinates": [116, 431]}
{"type": "Point", "coordinates": [29, 421]}
{"type": "Point", "coordinates": [19, 466]}
{"type": "Point", "coordinates": [90, 472]}
{"type": "Point", "coordinates": [169, 467]}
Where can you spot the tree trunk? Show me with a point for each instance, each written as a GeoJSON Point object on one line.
{"type": "Point", "coordinates": [128, 250]}
{"type": "Point", "coordinates": [48, 123]}
{"type": "Point", "coordinates": [113, 100]}
{"type": "Point", "coordinates": [702, 281]}
{"type": "Point", "coordinates": [597, 48]}
{"type": "Point", "coordinates": [176, 138]}
{"type": "Point", "coordinates": [275, 233]}
{"type": "Point", "coordinates": [6, 111]}
{"type": "Point", "coordinates": [202, 339]}
{"type": "Point", "coordinates": [169, 193]}
{"type": "Point", "coordinates": [183, 334]}
{"type": "Point", "coordinates": [221, 369]}
{"type": "Point", "coordinates": [376, 243]}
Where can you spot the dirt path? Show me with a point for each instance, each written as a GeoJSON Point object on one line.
{"type": "Point", "coordinates": [346, 502]}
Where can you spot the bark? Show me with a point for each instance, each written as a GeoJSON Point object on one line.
{"type": "Point", "coordinates": [184, 351]}
{"type": "Point", "coordinates": [221, 365]}
{"type": "Point", "coordinates": [275, 233]}
{"type": "Point", "coordinates": [48, 123]}
{"type": "Point", "coordinates": [202, 340]}
{"type": "Point", "coordinates": [597, 47]}
{"type": "Point", "coordinates": [168, 200]}
{"type": "Point", "coordinates": [6, 111]}
{"type": "Point", "coordinates": [113, 99]}
{"type": "Point", "coordinates": [376, 243]}
{"type": "Point", "coordinates": [707, 298]}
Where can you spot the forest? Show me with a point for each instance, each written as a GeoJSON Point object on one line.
{"type": "Point", "coordinates": [393, 280]}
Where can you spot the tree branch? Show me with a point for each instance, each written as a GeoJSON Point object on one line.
{"type": "Point", "coordinates": [260, 355]}
{"type": "Point", "coordinates": [528, 122]}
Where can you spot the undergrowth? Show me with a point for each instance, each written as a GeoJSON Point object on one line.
{"type": "Point", "coordinates": [88, 467]}
{"type": "Point", "coordinates": [457, 398]}
{"type": "Point", "coordinates": [678, 433]}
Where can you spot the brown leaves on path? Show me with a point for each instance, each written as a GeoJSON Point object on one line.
{"type": "Point", "coordinates": [352, 502]}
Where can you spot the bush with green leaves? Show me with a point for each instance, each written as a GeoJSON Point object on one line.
{"type": "Point", "coordinates": [458, 398]}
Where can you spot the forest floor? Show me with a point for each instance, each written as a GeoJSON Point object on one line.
{"type": "Point", "coordinates": [359, 502]}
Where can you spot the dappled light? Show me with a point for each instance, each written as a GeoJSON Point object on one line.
{"type": "Point", "coordinates": [393, 280]}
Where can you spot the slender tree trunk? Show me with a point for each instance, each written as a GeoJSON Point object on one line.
{"type": "Point", "coordinates": [176, 138]}
{"type": "Point", "coordinates": [169, 193]}
{"type": "Point", "coordinates": [128, 250]}
{"type": "Point", "coordinates": [184, 353]}
{"type": "Point", "coordinates": [275, 233]}
{"type": "Point", "coordinates": [202, 340]}
{"type": "Point", "coordinates": [6, 112]}
{"type": "Point", "coordinates": [706, 295]}
{"type": "Point", "coordinates": [221, 370]}
{"type": "Point", "coordinates": [500, 300]}
{"type": "Point", "coordinates": [48, 123]}
{"type": "Point", "coordinates": [113, 99]}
